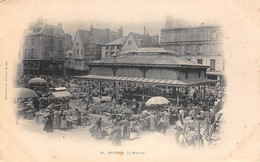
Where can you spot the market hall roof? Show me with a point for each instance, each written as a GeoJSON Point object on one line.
{"type": "Point", "coordinates": [149, 50]}
{"type": "Point", "coordinates": [148, 57]}
{"type": "Point", "coordinates": [178, 83]}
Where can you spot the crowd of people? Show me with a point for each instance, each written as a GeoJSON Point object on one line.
{"type": "Point", "coordinates": [196, 120]}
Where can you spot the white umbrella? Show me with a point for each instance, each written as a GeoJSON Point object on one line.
{"type": "Point", "coordinates": [157, 101]}
{"type": "Point", "coordinates": [24, 93]}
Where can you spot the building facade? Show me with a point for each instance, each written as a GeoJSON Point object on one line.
{"type": "Point", "coordinates": [135, 40]}
{"type": "Point", "coordinates": [97, 39]}
{"type": "Point", "coordinates": [43, 50]}
{"type": "Point", "coordinates": [78, 51]}
{"type": "Point", "coordinates": [113, 47]}
{"type": "Point", "coordinates": [197, 44]}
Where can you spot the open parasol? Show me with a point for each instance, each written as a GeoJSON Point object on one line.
{"type": "Point", "coordinates": [157, 101]}
{"type": "Point", "coordinates": [24, 93]}
{"type": "Point", "coordinates": [37, 80]}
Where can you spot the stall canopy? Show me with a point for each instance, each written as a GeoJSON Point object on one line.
{"type": "Point", "coordinates": [61, 89]}
{"type": "Point", "coordinates": [37, 81]}
{"type": "Point", "coordinates": [24, 93]}
{"type": "Point", "coordinates": [167, 82]}
{"type": "Point", "coordinates": [61, 94]}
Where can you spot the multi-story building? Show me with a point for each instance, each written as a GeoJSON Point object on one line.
{"type": "Point", "coordinates": [78, 51]}
{"type": "Point", "coordinates": [98, 38]}
{"type": "Point", "coordinates": [113, 47]}
{"type": "Point", "coordinates": [69, 62]}
{"type": "Point", "coordinates": [43, 50]}
{"type": "Point", "coordinates": [135, 40]}
{"type": "Point", "coordinates": [198, 44]}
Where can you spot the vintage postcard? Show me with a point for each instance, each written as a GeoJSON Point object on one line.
{"type": "Point", "coordinates": [147, 80]}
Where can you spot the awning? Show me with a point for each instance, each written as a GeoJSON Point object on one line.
{"type": "Point", "coordinates": [214, 73]}
{"type": "Point", "coordinates": [60, 89]}
{"type": "Point", "coordinates": [167, 82]}
{"type": "Point", "coordinates": [61, 94]}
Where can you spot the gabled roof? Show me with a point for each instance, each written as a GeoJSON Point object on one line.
{"type": "Point", "coordinates": [83, 34]}
{"type": "Point", "coordinates": [46, 29]}
{"type": "Point", "coordinates": [119, 41]}
{"type": "Point", "coordinates": [145, 40]}
{"type": "Point", "coordinates": [99, 35]}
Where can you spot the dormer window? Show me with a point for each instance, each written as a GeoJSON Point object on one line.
{"type": "Point", "coordinates": [50, 30]}
{"type": "Point", "coordinates": [36, 30]}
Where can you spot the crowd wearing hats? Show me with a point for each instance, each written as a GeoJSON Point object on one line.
{"type": "Point", "coordinates": [195, 122]}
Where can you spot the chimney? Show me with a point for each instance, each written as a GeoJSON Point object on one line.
{"type": "Point", "coordinates": [107, 35]}
{"type": "Point", "coordinates": [60, 25]}
{"type": "Point", "coordinates": [120, 31]}
{"type": "Point", "coordinates": [144, 30]}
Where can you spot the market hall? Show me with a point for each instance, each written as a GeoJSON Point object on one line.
{"type": "Point", "coordinates": [150, 72]}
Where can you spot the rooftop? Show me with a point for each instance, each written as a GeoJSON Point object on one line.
{"type": "Point", "coordinates": [119, 41]}
{"type": "Point", "coordinates": [45, 29]}
{"type": "Point", "coordinates": [148, 57]}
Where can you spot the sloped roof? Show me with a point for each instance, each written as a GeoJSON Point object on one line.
{"type": "Point", "coordinates": [145, 40]}
{"type": "Point", "coordinates": [148, 59]}
{"type": "Point", "coordinates": [46, 29]}
{"type": "Point", "coordinates": [99, 35]}
{"type": "Point", "coordinates": [149, 50]}
{"type": "Point", "coordinates": [83, 34]}
{"type": "Point", "coordinates": [119, 41]}
{"type": "Point", "coordinates": [137, 35]}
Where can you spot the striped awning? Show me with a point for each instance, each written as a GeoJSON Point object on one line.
{"type": "Point", "coordinates": [167, 82]}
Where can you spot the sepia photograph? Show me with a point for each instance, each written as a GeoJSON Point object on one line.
{"type": "Point", "coordinates": [118, 83]}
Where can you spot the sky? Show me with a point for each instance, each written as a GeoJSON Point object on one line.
{"type": "Point", "coordinates": [153, 28]}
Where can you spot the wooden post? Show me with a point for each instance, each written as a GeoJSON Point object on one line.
{"type": "Point", "coordinates": [177, 95]}
{"type": "Point", "coordinates": [143, 93]}
{"type": "Point", "coordinates": [100, 90]}
{"type": "Point", "coordinates": [205, 91]}
{"type": "Point", "coordinates": [114, 87]}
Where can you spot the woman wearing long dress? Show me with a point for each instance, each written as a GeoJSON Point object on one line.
{"type": "Point", "coordinates": [48, 127]}
{"type": "Point", "coordinates": [56, 121]}
{"type": "Point", "coordinates": [63, 125]}
{"type": "Point", "coordinates": [125, 129]}
{"type": "Point", "coordinates": [98, 130]}
{"type": "Point", "coordinates": [116, 135]}
{"type": "Point", "coordinates": [152, 123]}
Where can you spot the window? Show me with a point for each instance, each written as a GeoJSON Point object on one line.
{"type": "Point", "coordinates": [188, 50]}
{"type": "Point", "coordinates": [107, 47]}
{"type": "Point", "coordinates": [212, 64]}
{"type": "Point", "coordinates": [77, 43]}
{"type": "Point", "coordinates": [113, 47]}
{"type": "Point", "coordinates": [189, 59]}
{"type": "Point", "coordinates": [214, 35]}
{"type": "Point", "coordinates": [50, 30]}
{"type": "Point", "coordinates": [129, 42]}
{"type": "Point", "coordinates": [60, 52]}
{"type": "Point", "coordinates": [32, 41]}
{"type": "Point", "coordinates": [118, 47]}
{"type": "Point", "coordinates": [60, 43]}
{"type": "Point", "coordinates": [186, 75]}
{"type": "Point", "coordinates": [77, 51]}
{"type": "Point", "coordinates": [199, 49]}
{"type": "Point", "coordinates": [51, 41]}
{"type": "Point", "coordinates": [81, 52]}
{"type": "Point", "coordinates": [199, 61]}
